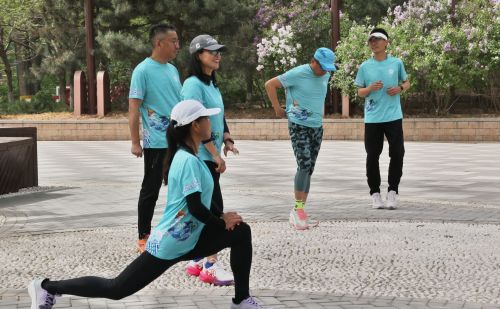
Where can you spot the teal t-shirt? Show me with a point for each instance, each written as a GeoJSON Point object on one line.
{"type": "Point", "coordinates": [210, 97]}
{"type": "Point", "coordinates": [379, 106]}
{"type": "Point", "coordinates": [178, 231]}
{"type": "Point", "coordinates": [305, 95]}
{"type": "Point", "coordinates": [158, 86]}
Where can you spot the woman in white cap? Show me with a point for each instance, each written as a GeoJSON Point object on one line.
{"type": "Point", "coordinates": [187, 229]}
{"type": "Point", "coordinates": [201, 85]}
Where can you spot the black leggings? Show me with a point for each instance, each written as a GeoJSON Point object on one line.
{"type": "Point", "coordinates": [146, 268]}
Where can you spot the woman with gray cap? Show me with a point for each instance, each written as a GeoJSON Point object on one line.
{"type": "Point", "coordinates": [201, 85]}
{"type": "Point", "coordinates": [187, 229]}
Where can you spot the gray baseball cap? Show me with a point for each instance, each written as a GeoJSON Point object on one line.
{"type": "Point", "coordinates": [204, 41]}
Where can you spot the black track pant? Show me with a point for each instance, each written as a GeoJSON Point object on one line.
{"type": "Point", "coordinates": [151, 184]}
{"type": "Point", "coordinates": [374, 142]}
{"type": "Point", "coordinates": [146, 268]}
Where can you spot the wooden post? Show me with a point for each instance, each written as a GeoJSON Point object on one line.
{"type": "Point", "coordinates": [345, 106]}
{"type": "Point", "coordinates": [80, 96]}
{"type": "Point", "coordinates": [103, 101]}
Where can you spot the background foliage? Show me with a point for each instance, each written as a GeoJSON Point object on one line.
{"type": "Point", "coordinates": [451, 57]}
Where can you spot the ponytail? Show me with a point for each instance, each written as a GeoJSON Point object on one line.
{"type": "Point", "coordinates": [176, 138]}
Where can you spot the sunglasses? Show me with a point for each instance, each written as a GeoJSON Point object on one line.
{"type": "Point", "coordinates": [214, 52]}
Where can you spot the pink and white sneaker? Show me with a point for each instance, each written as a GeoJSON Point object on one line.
{"type": "Point", "coordinates": [216, 275]}
{"type": "Point", "coordinates": [194, 268]}
{"type": "Point", "coordinates": [298, 219]}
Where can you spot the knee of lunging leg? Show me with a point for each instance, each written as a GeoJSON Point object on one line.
{"type": "Point", "coordinates": [244, 231]}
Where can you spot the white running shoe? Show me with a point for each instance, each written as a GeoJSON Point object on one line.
{"type": "Point", "coordinates": [40, 298]}
{"type": "Point", "coordinates": [248, 303]}
{"type": "Point", "coordinates": [377, 202]}
{"type": "Point", "coordinates": [216, 275]}
{"type": "Point", "coordinates": [298, 219]}
{"type": "Point", "coordinates": [392, 200]}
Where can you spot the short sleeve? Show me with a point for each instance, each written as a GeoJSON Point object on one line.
{"type": "Point", "coordinates": [360, 78]}
{"type": "Point", "coordinates": [190, 177]}
{"type": "Point", "coordinates": [191, 90]}
{"type": "Point", "coordinates": [290, 78]}
{"type": "Point", "coordinates": [402, 72]}
{"type": "Point", "coordinates": [137, 85]}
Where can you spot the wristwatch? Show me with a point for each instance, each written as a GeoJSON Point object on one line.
{"type": "Point", "coordinates": [401, 87]}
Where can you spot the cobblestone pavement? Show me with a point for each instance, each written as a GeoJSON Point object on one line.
{"type": "Point", "coordinates": [438, 250]}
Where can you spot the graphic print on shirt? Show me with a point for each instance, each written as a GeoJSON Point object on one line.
{"type": "Point", "coordinates": [181, 230]}
{"type": "Point", "coordinates": [157, 122]}
{"type": "Point", "coordinates": [298, 112]}
{"type": "Point", "coordinates": [215, 137]}
{"type": "Point", "coordinates": [370, 105]}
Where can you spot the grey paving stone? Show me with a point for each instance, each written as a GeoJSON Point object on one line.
{"type": "Point", "coordinates": [96, 184]}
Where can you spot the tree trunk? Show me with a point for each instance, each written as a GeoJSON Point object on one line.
{"type": "Point", "coordinates": [7, 69]}
{"type": "Point", "coordinates": [249, 82]}
{"type": "Point", "coordinates": [27, 84]}
{"type": "Point", "coordinates": [62, 87]}
{"type": "Point", "coordinates": [8, 74]}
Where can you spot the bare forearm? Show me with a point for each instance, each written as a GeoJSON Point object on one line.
{"type": "Point", "coordinates": [272, 94]}
{"type": "Point", "coordinates": [133, 122]}
{"type": "Point", "coordinates": [364, 92]}
{"type": "Point", "coordinates": [211, 149]}
{"type": "Point", "coordinates": [405, 85]}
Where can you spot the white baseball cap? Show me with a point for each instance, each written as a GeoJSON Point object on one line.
{"type": "Point", "coordinates": [188, 111]}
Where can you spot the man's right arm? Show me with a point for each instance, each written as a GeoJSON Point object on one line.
{"type": "Point", "coordinates": [272, 86]}
{"type": "Point", "coordinates": [133, 123]}
{"type": "Point", "coordinates": [364, 92]}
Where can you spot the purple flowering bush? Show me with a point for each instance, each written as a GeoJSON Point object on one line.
{"type": "Point", "coordinates": [444, 55]}
{"type": "Point", "coordinates": [290, 32]}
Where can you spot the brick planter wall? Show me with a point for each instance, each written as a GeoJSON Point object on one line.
{"type": "Point", "coordinates": [422, 129]}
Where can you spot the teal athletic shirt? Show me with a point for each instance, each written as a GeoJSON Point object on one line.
{"type": "Point", "coordinates": [158, 86]}
{"type": "Point", "coordinates": [210, 97]}
{"type": "Point", "coordinates": [305, 95]}
{"type": "Point", "coordinates": [379, 106]}
{"type": "Point", "coordinates": [178, 231]}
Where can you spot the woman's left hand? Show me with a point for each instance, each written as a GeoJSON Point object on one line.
{"type": "Point", "coordinates": [231, 219]}
{"type": "Point", "coordinates": [229, 146]}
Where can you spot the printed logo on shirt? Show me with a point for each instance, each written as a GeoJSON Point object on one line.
{"type": "Point", "coordinates": [215, 136]}
{"type": "Point", "coordinates": [193, 185]}
{"type": "Point", "coordinates": [153, 243]}
{"type": "Point", "coordinates": [136, 92]}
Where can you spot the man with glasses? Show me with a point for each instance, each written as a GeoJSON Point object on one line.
{"type": "Point", "coordinates": [381, 79]}
{"type": "Point", "coordinates": [154, 90]}
{"type": "Point", "coordinates": [305, 88]}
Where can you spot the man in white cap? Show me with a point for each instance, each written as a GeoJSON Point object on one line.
{"type": "Point", "coordinates": [381, 80]}
{"type": "Point", "coordinates": [305, 87]}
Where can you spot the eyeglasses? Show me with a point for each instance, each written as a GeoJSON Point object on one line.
{"type": "Point", "coordinates": [214, 52]}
